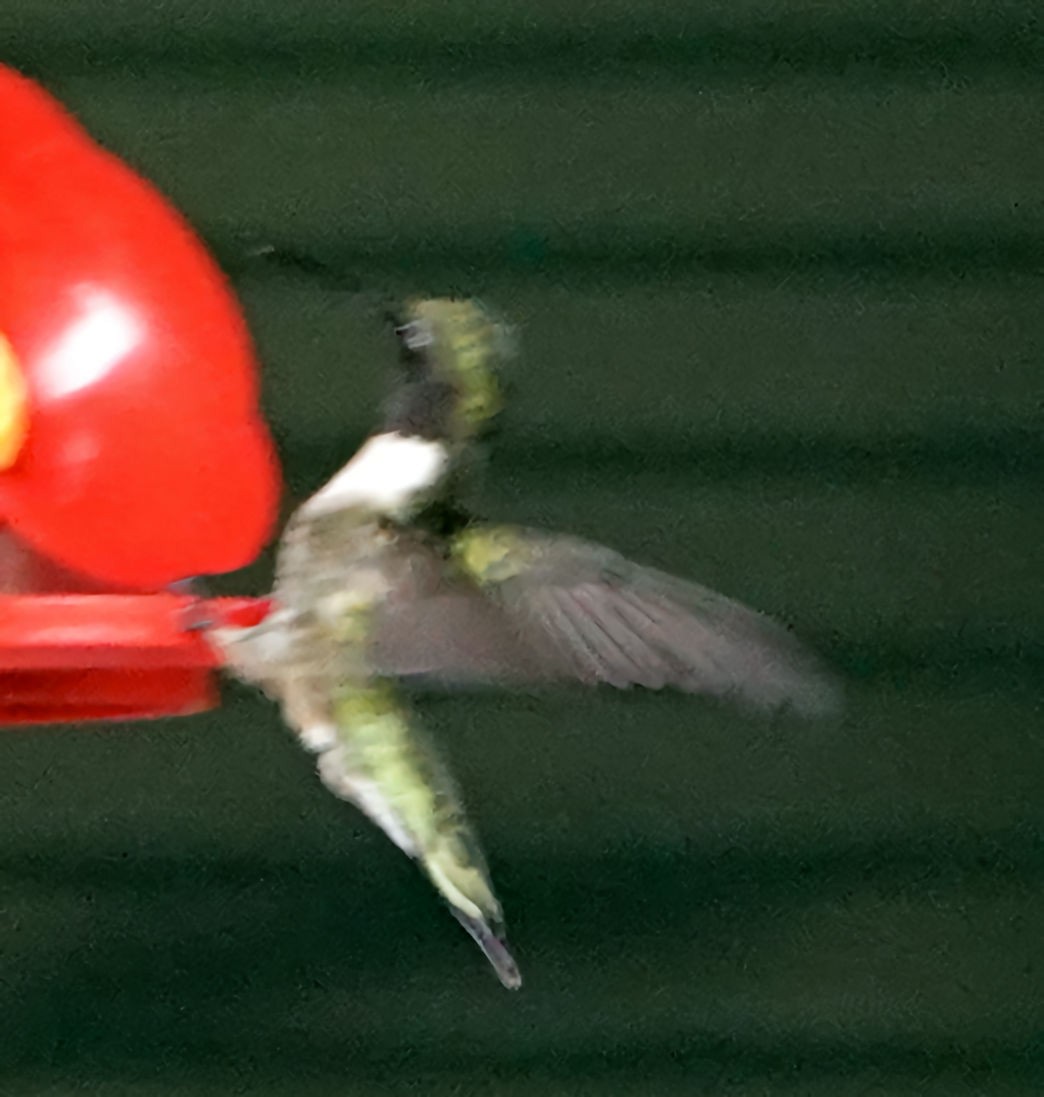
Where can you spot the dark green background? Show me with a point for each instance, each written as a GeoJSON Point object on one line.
{"type": "Point", "coordinates": [777, 269]}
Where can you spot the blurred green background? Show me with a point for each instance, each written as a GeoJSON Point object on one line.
{"type": "Point", "coordinates": [777, 269]}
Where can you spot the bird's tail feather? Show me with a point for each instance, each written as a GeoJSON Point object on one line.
{"type": "Point", "coordinates": [464, 883]}
{"type": "Point", "coordinates": [493, 947]}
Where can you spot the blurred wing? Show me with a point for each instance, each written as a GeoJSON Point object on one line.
{"type": "Point", "coordinates": [545, 607]}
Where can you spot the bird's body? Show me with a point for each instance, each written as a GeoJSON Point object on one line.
{"type": "Point", "coordinates": [368, 590]}
{"type": "Point", "coordinates": [346, 555]}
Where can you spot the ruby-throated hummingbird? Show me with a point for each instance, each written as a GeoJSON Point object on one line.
{"type": "Point", "coordinates": [381, 575]}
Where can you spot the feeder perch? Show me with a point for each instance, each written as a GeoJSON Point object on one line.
{"type": "Point", "coordinates": [132, 450]}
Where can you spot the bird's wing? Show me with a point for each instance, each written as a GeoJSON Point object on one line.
{"type": "Point", "coordinates": [541, 607]}
{"type": "Point", "coordinates": [373, 753]}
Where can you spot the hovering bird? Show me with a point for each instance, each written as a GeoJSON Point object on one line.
{"type": "Point", "coordinates": [382, 575]}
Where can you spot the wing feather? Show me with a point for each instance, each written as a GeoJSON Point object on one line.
{"type": "Point", "coordinates": [566, 609]}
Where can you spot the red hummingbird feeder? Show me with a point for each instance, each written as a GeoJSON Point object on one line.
{"type": "Point", "coordinates": [133, 453]}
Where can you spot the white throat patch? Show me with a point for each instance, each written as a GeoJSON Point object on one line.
{"type": "Point", "coordinates": [388, 475]}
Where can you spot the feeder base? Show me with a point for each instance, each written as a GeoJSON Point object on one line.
{"type": "Point", "coordinates": [70, 658]}
{"type": "Point", "coordinates": [76, 696]}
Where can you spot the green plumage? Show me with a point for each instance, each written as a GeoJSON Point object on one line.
{"type": "Point", "coordinates": [382, 575]}
{"type": "Point", "coordinates": [336, 570]}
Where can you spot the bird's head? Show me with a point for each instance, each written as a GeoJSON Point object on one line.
{"type": "Point", "coordinates": [451, 353]}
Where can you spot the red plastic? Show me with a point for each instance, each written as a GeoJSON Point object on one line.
{"type": "Point", "coordinates": [72, 651]}
{"type": "Point", "coordinates": [132, 450]}
{"type": "Point", "coordinates": [146, 459]}
{"type": "Point", "coordinates": [88, 631]}
{"type": "Point", "coordinates": [75, 657]}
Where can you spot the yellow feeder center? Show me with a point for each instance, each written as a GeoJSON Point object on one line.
{"type": "Point", "coordinates": [14, 406]}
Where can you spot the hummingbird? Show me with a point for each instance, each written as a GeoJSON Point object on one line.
{"type": "Point", "coordinates": [383, 575]}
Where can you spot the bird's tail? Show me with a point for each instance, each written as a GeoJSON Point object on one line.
{"type": "Point", "coordinates": [457, 869]}
{"type": "Point", "coordinates": [390, 768]}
